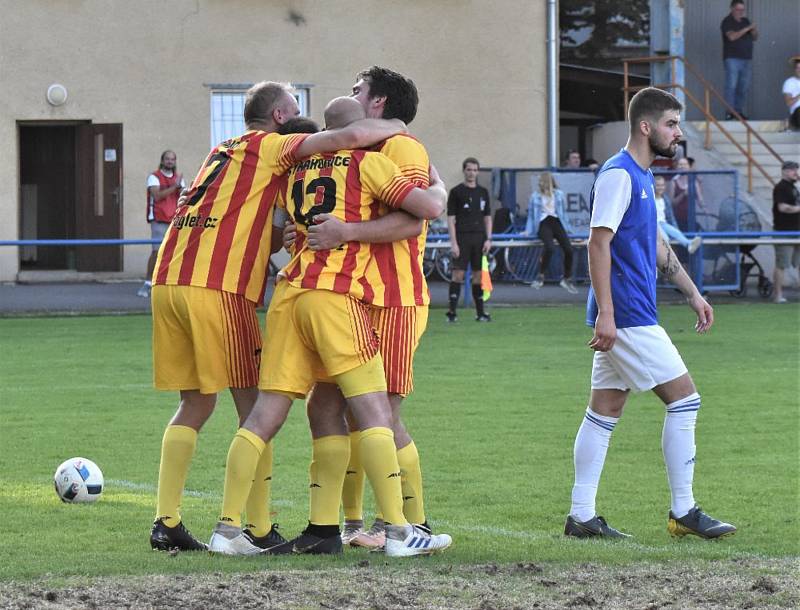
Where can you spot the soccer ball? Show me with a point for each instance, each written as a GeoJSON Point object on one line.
{"type": "Point", "coordinates": [79, 480]}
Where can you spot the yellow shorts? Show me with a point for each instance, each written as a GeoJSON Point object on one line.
{"type": "Point", "coordinates": [317, 334]}
{"type": "Point", "coordinates": [204, 339]}
{"type": "Point", "coordinates": [399, 330]}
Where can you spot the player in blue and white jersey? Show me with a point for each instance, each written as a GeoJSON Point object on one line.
{"type": "Point", "coordinates": [632, 352]}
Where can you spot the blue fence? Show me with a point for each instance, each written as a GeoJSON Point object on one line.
{"type": "Point", "coordinates": [705, 203]}
{"type": "Point", "coordinates": [701, 201]}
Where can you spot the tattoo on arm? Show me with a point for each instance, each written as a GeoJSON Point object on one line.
{"type": "Point", "coordinates": [670, 267]}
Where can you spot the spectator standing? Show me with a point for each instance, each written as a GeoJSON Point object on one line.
{"type": "Point", "coordinates": [791, 95]}
{"type": "Point", "coordinates": [786, 217]}
{"type": "Point", "coordinates": [469, 223]}
{"type": "Point", "coordinates": [678, 190]}
{"type": "Point", "coordinates": [163, 189]}
{"type": "Point", "coordinates": [547, 218]}
{"type": "Point", "coordinates": [572, 160]}
{"type": "Point", "coordinates": [738, 35]}
{"type": "Point", "coordinates": [666, 218]}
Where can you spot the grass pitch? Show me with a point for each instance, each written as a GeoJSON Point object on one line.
{"type": "Point", "coordinates": [494, 415]}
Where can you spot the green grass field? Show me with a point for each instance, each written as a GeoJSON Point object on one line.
{"type": "Point", "coordinates": [494, 415]}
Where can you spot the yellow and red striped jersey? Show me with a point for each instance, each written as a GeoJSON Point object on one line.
{"type": "Point", "coordinates": [220, 238]}
{"type": "Point", "coordinates": [353, 185]}
{"type": "Point", "coordinates": [395, 272]}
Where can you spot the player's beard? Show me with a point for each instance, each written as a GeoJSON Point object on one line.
{"type": "Point", "coordinates": [661, 150]}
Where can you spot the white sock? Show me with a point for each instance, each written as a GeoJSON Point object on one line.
{"type": "Point", "coordinates": [677, 443]}
{"type": "Point", "coordinates": [148, 283]}
{"type": "Point", "coordinates": [591, 445]}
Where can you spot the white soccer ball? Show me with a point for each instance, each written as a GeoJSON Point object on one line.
{"type": "Point", "coordinates": [79, 480]}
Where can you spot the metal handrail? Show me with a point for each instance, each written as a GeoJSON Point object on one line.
{"type": "Point", "coordinates": [705, 109]}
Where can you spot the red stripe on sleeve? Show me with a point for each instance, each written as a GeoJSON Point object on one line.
{"type": "Point", "coordinates": [394, 194]}
{"type": "Point", "coordinates": [287, 155]}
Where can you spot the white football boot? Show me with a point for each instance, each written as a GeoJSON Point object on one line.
{"type": "Point", "coordinates": [408, 540]}
{"type": "Point", "coordinates": [229, 540]}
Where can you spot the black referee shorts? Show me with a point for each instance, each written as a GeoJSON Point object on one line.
{"type": "Point", "coordinates": [470, 247]}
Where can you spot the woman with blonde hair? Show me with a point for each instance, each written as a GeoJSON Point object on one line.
{"type": "Point", "coordinates": [547, 218]}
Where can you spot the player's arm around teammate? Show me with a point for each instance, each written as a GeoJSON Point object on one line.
{"type": "Point", "coordinates": [312, 324]}
{"type": "Point", "coordinates": [329, 232]}
{"type": "Point", "coordinates": [186, 361]}
{"type": "Point", "coordinates": [326, 407]}
{"type": "Point", "coordinates": [399, 313]}
{"type": "Point", "coordinates": [359, 134]}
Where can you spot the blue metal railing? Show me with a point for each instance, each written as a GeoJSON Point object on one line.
{"type": "Point", "coordinates": [734, 239]}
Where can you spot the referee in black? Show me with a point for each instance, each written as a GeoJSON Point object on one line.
{"type": "Point", "coordinates": [469, 223]}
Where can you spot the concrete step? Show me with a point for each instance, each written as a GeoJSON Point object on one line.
{"type": "Point", "coordinates": [765, 160]}
{"type": "Point", "coordinates": [758, 177]}
{"type": "Point", "coordinates": [784, 149]}
{"type": "Point", "coordinates": [738, 126]}
{"type": "Point", "coordinates": [758, 180]}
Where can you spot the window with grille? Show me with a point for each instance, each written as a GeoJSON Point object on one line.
{"type": "Point", "coordinates": [227, 109]}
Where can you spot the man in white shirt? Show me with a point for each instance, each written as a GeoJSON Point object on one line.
{"type": "Point", "coordinates": [163, 188]}
{"type": "Point", "coordinates": [791, 95]}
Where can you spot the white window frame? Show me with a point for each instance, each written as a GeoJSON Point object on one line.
{"type": "Point", "coordinates": [226, 105]}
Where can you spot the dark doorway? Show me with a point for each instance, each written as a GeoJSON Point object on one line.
{"type": "Point", "coordinates": [47, 194]}
{"type": "Point", "coordinates": [70, 188]}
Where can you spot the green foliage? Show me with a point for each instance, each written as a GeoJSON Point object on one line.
{"type": "Point", "coordinates": [494, 415]}
{"type": "Point", "coordinates": [610, 25]}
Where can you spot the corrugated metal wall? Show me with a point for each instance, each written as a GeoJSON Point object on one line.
{"type": "Point", "coordinates": [778, 23]}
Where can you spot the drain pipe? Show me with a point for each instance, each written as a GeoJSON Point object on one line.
{"type": "Point", "coordinates": [552, 83]}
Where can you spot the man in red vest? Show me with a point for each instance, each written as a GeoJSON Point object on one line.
{"type": "Point", "coordinates": [163, 189]}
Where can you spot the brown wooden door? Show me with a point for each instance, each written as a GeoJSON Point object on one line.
{"type": "Point", "coordinates": [98, 209]}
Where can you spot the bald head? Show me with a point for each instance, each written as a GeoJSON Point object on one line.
{"type": "Point", "coordinates": [342, 111]}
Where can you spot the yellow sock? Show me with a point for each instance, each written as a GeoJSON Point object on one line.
{"type": "Point", "coordinates": [353, 489]}
{"type": "Point", "coordinates": [411, 482]}
{"type": "Point", "coordinates": [177, 449]}
{"type": "Point", "coordinates": [257, 506]}
{"type": "Point", "coordinates": [379, 457]}
{"type": "Point", "coordinates": [329, 458]}
{"type": "Point", "coordinates": [243, 457]}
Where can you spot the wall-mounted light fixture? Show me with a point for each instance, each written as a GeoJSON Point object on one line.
{"type": "Point", "coordinates": [56, 94]}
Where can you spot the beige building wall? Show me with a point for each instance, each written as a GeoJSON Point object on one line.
{"type": "Point", "coordinates": [480, 69]}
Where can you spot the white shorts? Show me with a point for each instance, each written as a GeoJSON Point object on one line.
{"type": "Point", "coordinates": [642, 358]}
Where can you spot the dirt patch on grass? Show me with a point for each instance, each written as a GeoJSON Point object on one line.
{"type": "Point", "coordinates": [382, 585]}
